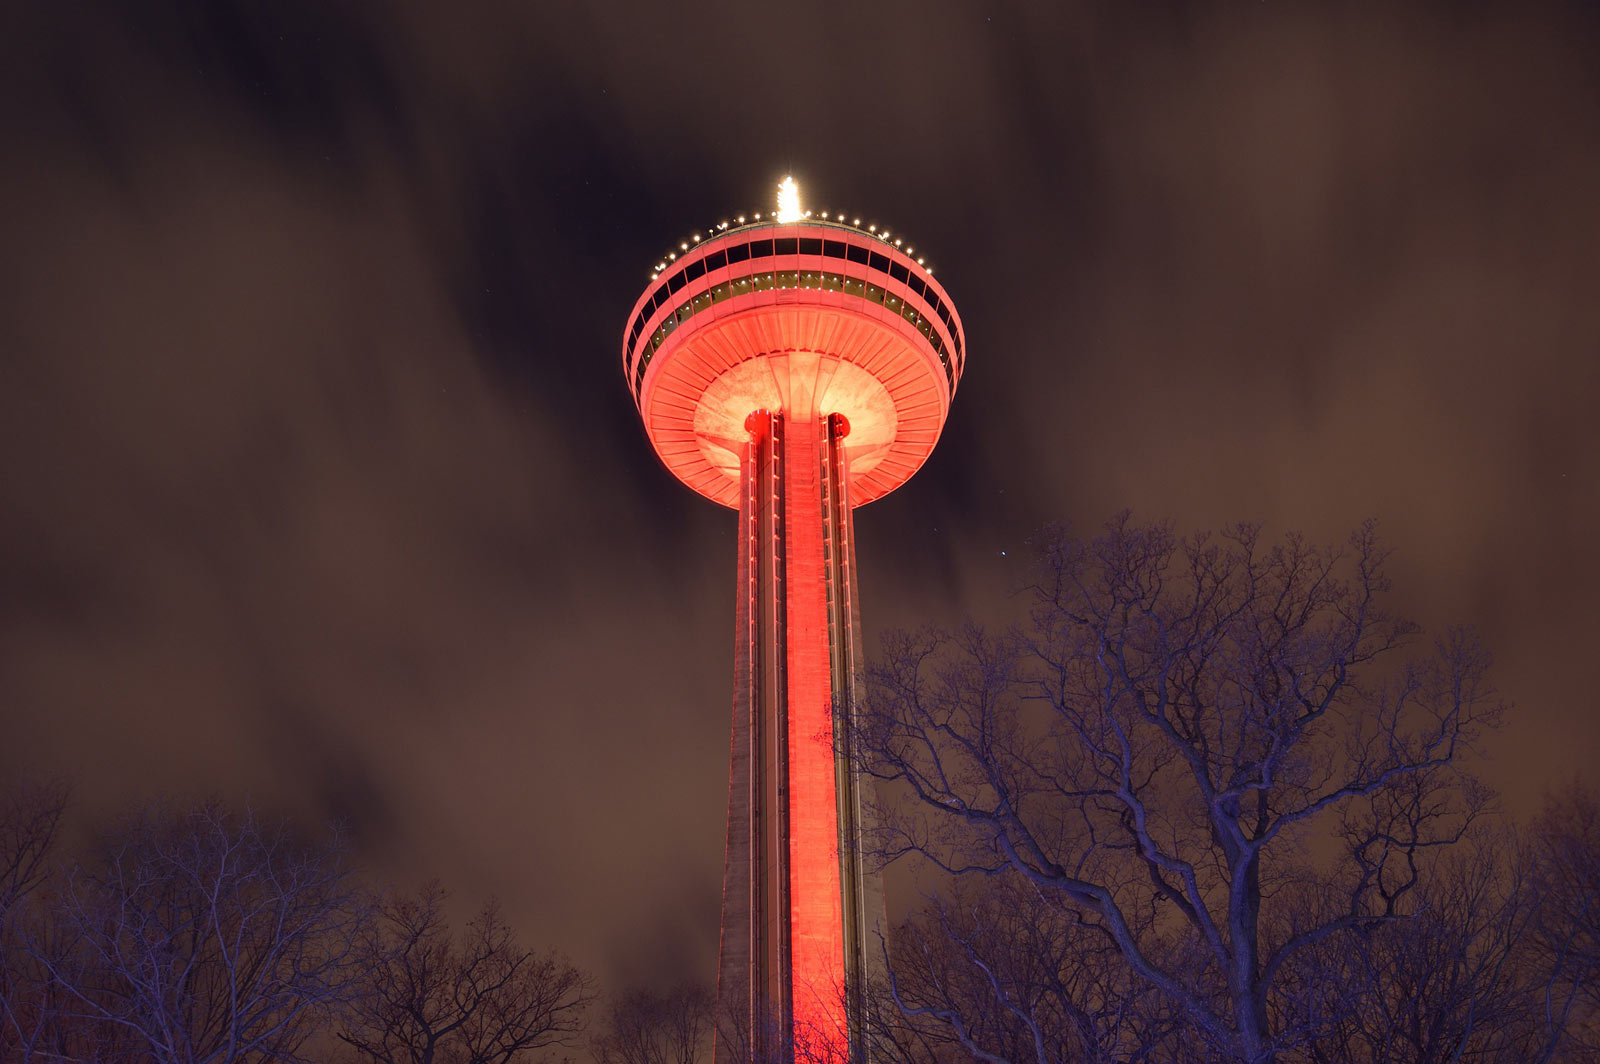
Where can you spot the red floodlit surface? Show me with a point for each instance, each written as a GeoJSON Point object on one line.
{"type": "Point", "coordinates": [806, 319]}
{"type": "Point", "coordinates": [816, 918]}
{"type": "Point", "coordinates": [755, 349]}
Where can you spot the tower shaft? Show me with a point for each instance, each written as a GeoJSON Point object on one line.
{"type": "Point", "coordinates": [798, 905]}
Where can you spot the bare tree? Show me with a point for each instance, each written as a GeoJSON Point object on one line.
{"type": "Point", "coordinates": [646, 1027]}
{"type": "Point", "coordinates": [30, 819]}
{"type": "Point", "coordinates": [1010, 975]}
{"type": "Point", "coordinates": [1458, 978]}
{"type": "Point", "coordinates": [201, 937]}
{"type": "Point", "coordinates": [771, 1041]}
{"type": "Point", "coordinates": [1567, 848]}
{"type": "Point", "coordinates": [430, 999]}
{"type": "Point", "coordinates": [903, 1035]}
{"type": "Point", "coordinates": [1159, 747]}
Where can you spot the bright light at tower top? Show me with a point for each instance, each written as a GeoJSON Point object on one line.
{"type": "Point", "coordinates": [714, 337]}
{"type": "Point", "coordinates": [789, 211]}
{"type": "Point", "coordinates": [789, 201]}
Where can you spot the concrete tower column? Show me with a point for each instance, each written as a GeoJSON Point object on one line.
{"type": "Point", "coordinates": [798, 908]}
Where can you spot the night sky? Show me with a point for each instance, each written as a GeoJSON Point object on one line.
{"type": "Point", "coordinates": [319, 483]}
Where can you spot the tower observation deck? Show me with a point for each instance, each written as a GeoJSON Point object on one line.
{"type": "Point", "coordinates": [793, 368]}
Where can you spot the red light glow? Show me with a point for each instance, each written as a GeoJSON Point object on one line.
{"type": "Point", "coordinates": [738, 356]}
{"type": "Point", "coordinates": [731, 350]}
{"type": "Point", "coordinates": [816, 918]}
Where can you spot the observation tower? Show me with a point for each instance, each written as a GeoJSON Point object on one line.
{"type": "Point", "coordinates": [792, 368]}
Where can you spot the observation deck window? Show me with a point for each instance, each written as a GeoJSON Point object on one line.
{"type": "Point", "coordinates": [949, 350]}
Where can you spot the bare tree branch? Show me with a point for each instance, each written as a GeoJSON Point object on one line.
{"type": "Point", "coordinates": [1158, 745]}
{"type": "Point", "coordinates": [430, 997]}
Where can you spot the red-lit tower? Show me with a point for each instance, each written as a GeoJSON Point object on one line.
{"type": "Point", "coordinates": [793, 368]}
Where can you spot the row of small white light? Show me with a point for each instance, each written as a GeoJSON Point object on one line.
{"type": "Point", "coordinates": [889, 298]}
{"type": "Point", "coordinates": [838, 218]}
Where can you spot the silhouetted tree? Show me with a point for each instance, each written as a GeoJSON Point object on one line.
{"type": "Point", "coordinates": [1458, 977]}
{"type": "Point", "coordinates": [648, 1027]}
{"type": "Point", "coordinates": [200, 937]}
{"type": "Point", "coordinates": [905, 1036]}
{"type": "Point", "coordinates": [30, 818]}
{"type": "Point", "coordinates": [1566, 841]}
{"type": "Point", "coordinates": [1010, 975]}
{"type": "Point", "coordinates": [1157, 748]}
{"type": "Point", "coordinates": [431, 999]}
{"type": "Point", "coordinates": [769, 1041]}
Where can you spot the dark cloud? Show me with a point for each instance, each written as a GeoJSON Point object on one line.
{"type": "Point", "coordinates": [320, 482]}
